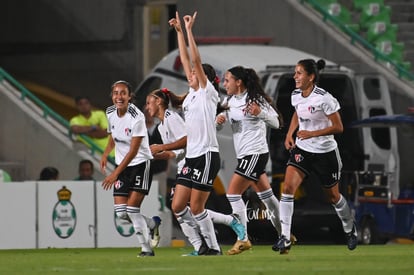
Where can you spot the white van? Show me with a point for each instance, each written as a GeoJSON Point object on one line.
{"type": "Point", "coordinates": [360, 96]}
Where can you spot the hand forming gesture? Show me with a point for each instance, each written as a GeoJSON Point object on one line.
{"type": "Point", "coordinates": [175, 22]}
{"type": "Point", "coordinates": [189, 20]}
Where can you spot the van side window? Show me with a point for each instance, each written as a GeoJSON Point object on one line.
{"type": "Point", "coordinates": [381, 136]}
{"type": "Point", "coordinates": [146, 87]}
{"type": "Point", "coordinates": [372, 88]}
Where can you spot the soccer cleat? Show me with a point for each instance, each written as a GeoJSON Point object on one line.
{"type": "Point", "coordinates": [155, 232]}
{"type": "Point", "coordinates": [203, 248]}
{"type": "Point", "coordinates": [282, 245]}
{"type": "Point", "coordinates": [213, 252]}
{"type": "Point", "coordinates": [239, 247]}
{"type": "Point", "coordinates": [192, 253]}
{"type": "Point", "coordinates": [238, 227]}
{"type": "Point", "coordinates": [293, 241]}
{"type": "Point", "coordinates": [146, 254]}
{"type": "Point", "coordinates": [352, 238]}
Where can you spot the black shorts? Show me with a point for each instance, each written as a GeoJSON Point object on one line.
{"type": "Point", "coordinates": [199, 173]}
{"type": "Point", "coordinates": [326, 166]}
{"type": "Point", "coordinates": [134, 178]}
{"type": "Point", "coordinates": [252, 166]}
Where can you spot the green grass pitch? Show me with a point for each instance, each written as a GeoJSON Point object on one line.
{"type": "Point", "coordinates": [302, 259]}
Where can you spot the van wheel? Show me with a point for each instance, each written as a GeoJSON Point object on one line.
{"type": "Point", "coordinates": [369, 233]}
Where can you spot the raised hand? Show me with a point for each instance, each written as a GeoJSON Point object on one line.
{"type": "Point", "coordinates": [189, 20]}
{"type": "Point", "coordinates": [175, 22]}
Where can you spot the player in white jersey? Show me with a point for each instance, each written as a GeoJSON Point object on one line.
{"type": "Point", "coordinates": [202, 161]}
{"type": "Point", "coordinates": [249, 111]}
{"type": "Point", "coordinates": [131, 177]}
{"type": "Point", "coordinates": [316, 119]}
{"type": "Point", "coordinates": [173, 134]}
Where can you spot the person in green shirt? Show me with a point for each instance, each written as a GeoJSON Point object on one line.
{"type": "Point", "coordinates": [90, 122]}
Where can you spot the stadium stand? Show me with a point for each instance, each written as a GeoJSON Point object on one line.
{"type": "Point", "coordinates": [402, 14]}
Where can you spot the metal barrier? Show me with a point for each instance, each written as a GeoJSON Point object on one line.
{"type": "Point", "coordinates": [47, 112]}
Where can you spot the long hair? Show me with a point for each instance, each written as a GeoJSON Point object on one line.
{"type": "Point", "coordinates": [164, 95]}
{"type": "Point", "coordinates": [255, 91]}
{"type": "Point", "coordinates": [251, 81]}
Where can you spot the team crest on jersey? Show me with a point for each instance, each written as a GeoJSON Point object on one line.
{"type": "Point", "coordinates": [298, 157]}
{"type": "Point", "coordinates": [311, 109]}
{"type": "Point", "coordinates": [118, 184]}
{"type": "Point", "coordinates": [127, 131]}
{"type": "Point", "coordinates": [186, 170]}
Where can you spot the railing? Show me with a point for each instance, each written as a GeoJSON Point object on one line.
{"type": "Point", "coordinates": [47, 112]}
{"type": "Point", "coordinates": [356, 38]}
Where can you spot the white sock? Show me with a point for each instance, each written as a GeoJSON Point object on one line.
{"type": "Point", "coordinates": [286, 213]}
{"type": "Point", "coordinates": [272, 208]}
{"type": "Point", "coordinates": [344, 213]}
{"type": "Point", "coordinates": [207, 229]}
{"type": "Point", "coordinates": [220, 218]}
{"type": "Point", "coordinates": [239, 207]}
{"type": "Point", "coordinates": [141, 228]}
{"type": "Point", "coordinates": [121, 211]}
{"type": "Point", "coordinates": [191, 232]}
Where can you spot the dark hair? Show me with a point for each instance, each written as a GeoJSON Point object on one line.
{"type": "Point", "coordinates": [163, 94]}
{"type": "Point", "coordinates": [255, 91]}
{"type": "Point", "coordinates": [177, 101]}
{"type": "Point", "coordinates": [80, 97]}
{"type": "Point", "coordinates": [128, 85]}
{"type": "Point", "coordinates": [312, 67]}
{"type": "Point", "coordinates": [251, 81]}
{"type": "Point", "coordinates": [49, 173]}
{"type": "Point", "coordinates": [211, 75]}
{"type": "Point", "coordinates": [86, 161]}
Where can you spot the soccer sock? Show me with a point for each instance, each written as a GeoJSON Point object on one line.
{"type": "Point", "coordinates": [150, 222]}
{"type": "Point", "coordinates": [239, 208]}
{"type": "Point", "coordinates": [220, 218]}
{"type": "Point", "coordinates": [141, 228]}
{"type": "Point", "coordinates": [272, 207]}
{"type": "Point", "coordinates": [207, 229]}
{"type": "Point", "coordinates": [286, 213]}
{"type": "Point", "coordinates": [344, 213]}
{"type": "Point", "coordinates": [121, 211]}
{"type": "Point", "coordinates": [191, 232]}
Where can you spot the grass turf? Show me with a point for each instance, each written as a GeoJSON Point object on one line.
{"type": "Point", "coordinates": [302, 259]}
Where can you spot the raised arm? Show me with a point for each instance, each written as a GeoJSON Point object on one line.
{"type": "Point", "coordinates": [182, 46]}
{"type": "Point", "coordinates": [194, 53]}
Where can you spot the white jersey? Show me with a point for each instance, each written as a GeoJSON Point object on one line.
{"type": "Point", "coordinates": [122, 129]}
{"type": "Point", "coordinates": [200, 113]}
{"type": "Point", "coordinates": [171, 130]}
{"type": "Point", "coordinates": [313, 112]}
{"type": "Point", "coordinates": [249, 132]}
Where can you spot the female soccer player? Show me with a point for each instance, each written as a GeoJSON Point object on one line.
{"type": "Point", "coordinates": [131, 178]}
{"type": "Point", "coordinates": [314, 151]}
{"type": "Point", "coordinates": [202, 161]}
{"type": "Point", "coordinates": [248, 110]}
{"type": "Point", "coordinates": [172, 131]}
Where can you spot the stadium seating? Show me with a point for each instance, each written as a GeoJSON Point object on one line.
{"type": "Point", "coordinates": [379, 30]}
{"type": "Point", "coordinates": [374, 12]}
{"type": "Point", "coordinates": [341, 13]}
{"type": "Point", "coordinates": [393, 50]}
{"type": "Point", "coordinates": [359, 4]}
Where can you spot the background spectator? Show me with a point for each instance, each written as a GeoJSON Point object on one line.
{"type": "Point", "coordinates": [49, 173]}
{"type": "Point", "coordinates": [86, 170]}
{"type": "Point", "coordinates": [90, 122]}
